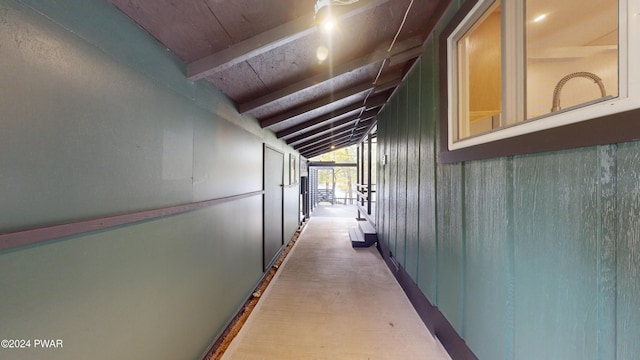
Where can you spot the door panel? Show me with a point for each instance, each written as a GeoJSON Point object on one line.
{"type": "Point", "coordinates": [273, 187]}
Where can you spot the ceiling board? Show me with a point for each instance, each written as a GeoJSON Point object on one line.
{"type": "Point", "coordinates": [410, 48]}
{"type": "Point", "coordinates": [188, 28]}
{"type": "Point", "coordinates": [269, 40]}
{"type": "Point", "coordinates": [262, 55]}
{"type": "Point", "coordinates": [250, 48]}
{"type": "Point", "coordinates": [330, 89]}
{"type": "Point", "coordinates": [244, 19]}
{"type": "Point", "coordinates": [239, 82]}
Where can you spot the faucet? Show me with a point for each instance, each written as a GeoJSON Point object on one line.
{"type": "Point", "coordinates": [585, 74]}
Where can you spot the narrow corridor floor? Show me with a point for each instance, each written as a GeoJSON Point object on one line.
{"type": "Point", "coordinates": [330, 301]}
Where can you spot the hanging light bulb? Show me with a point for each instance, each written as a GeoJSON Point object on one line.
{"type": "Point", "coordinates": [323, 16]}
{"type": "Point", "coordinates": [326, 22]}
{"type": "Point", "coordinates": [329, 24]}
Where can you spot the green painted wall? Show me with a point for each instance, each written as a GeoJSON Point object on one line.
{"type": "Point", "coordinates": [529, 257]}
{"type": "Point", "coordinates": [97, 119]}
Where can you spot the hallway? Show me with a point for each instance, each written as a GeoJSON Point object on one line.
{"type": "Point", "coordinates": [330, 301]}
{"type": "Point", "coordinates": [335, 211]}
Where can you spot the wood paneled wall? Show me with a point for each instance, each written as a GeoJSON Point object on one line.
{"type": "Point", "coordinates": [529, 257]}
{"type": "Point", "coordinates": [97, 119]}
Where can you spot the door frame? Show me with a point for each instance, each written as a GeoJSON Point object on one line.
{"type": "Point", "coordinates": [266, 147]}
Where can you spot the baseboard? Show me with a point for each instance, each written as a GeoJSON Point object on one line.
{"type": "Point", "coordinates": [437, 324]}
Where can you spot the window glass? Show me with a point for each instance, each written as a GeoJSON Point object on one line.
{"type": "Point", "coordinates": [571, 54]}
{"type": "Point", "coordinates": [526, 76]}
{"type": "Point", "coordinates": [520, 61]}
{"type": "Point", "coordinates": [480, 75]}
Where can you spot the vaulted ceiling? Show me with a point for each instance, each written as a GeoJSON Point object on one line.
{"type": "Point", "coordinates": [263, 55]}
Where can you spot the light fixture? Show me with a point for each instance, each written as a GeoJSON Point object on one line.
{"type": "Point", "coordinates": [328, 24]}
{"type": "Point", "coordinates": [540, 18]}
{"type": "Point", "coordinates": [323, 16]}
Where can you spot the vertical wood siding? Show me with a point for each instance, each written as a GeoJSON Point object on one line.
{"type": "Point", "coordinates": [413, 179]}
{"type": "Point", "coordinates": [427, 245]}
{"type": "Point", "coordinates": [627, 250]}
{"type": "Point", "coordinates": [401, 187]}
{"type": "Point", "coordinates": [529, 257]}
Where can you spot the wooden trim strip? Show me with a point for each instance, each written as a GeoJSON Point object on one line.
{"type": "Point", "coordinates": [32, 236]}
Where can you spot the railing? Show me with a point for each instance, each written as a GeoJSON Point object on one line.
{"type": "Point", "coordinates": [366, 202]}
{"type": "Point", "coordinates": [345, 201]}
{"type": "Point", "coordinates": [324, 195]}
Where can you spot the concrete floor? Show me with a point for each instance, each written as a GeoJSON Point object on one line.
{"type": "Point", "coordinates": [330, 301]}
{"type": "Point", "coordinates": [345, 211]}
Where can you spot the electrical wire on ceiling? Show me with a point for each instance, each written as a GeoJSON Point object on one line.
{"type": "Point", "coordinates": [384, 62]}
{"type": "Point", "coordinates": [404, 20]}
{"type": "Point", "coordinates": [320, 4]}
{"type": "Point", "coordinates": [343, 2]}
{"type": "Point", "coordinates": [393, 42]}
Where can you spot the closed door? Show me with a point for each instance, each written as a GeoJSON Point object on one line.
{"type": "Point", "coordinates": [273, 192]}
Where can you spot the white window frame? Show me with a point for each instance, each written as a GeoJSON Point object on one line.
{"type": "Point", "coordinates": [513, 70]}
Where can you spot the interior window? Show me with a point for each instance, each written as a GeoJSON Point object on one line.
{"type": "Point", "coordinates": [480, 76]}
{"type": "Point", "coordinates": [518, 62]}
{"type": "Point", "coordinates": [572, 54]}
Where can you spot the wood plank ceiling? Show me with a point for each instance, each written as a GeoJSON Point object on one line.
{"type": "Point", "coordinates": [262, 55]}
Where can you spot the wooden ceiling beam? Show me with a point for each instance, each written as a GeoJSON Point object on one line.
{"type": "Point", "coordinates": [387, 82]}
{"type": "Point", "coordinates": [325, 149]}
{"type": "Point", "coordinates": [323, 141]}
{"type": "Point", "coordinates": [328, 141]}
{"type": "Point", "coordinates": [335, 136]}
{"type": "Point", "coordinates": [349, 122]}
{"type": "Point", "coordinates": [328, 146]}
{"type": "Point", "coordinates": [324, 101]}
{"type": "Point", "coordinates": [267, 41]}
{"type": "Point", "coordinates": [350, 110]}
{"type": "Point", "coordinates": [403, 49]}
{"type": "Point", "coordinates": [356, 110]}
{"type": "Point", "coordinates": [336, 125]}
{"type": "Point", "coordinates": [361, 138]}
{"type": "Point", "coordinates": [403, 56]}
